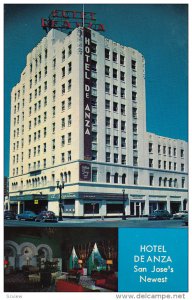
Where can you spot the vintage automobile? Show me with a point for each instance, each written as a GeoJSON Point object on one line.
{"type": "Point", "coordinates": [46, 216]}
{"type": "Point", "coordinates": [27, 216]}
{"type": "Point", "coordinates": [9, 215]}
{"type": "Point", "coordinates": [160, 215]}
{"type": "Point", "coordinates": [180, 214]}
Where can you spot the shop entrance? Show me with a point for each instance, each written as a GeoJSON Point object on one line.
{"type": "Point", "coordinates": [175, 207]}
{"type": "Point", "coordinates": [36, 205]}
{"type": "Point", "coordinates": [154, 205]}
{"type": "Point", "coordinates": [137, 208]}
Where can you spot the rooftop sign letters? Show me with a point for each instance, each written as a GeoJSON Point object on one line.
{"type": "Point", "coordinates": [69, 20]}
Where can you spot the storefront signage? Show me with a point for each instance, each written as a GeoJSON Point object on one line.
{"type": "Point", "coordinates": [87, 96]}
{"type": "Point", "coordinates": [85, 172]}
{"type": "Point", "coordinates": [69, 20]}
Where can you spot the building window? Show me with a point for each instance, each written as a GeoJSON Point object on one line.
{"type": "Point", "coordinates": [45, 70]}
{"type": "Point", "coordinates": [122, 60]}
{"type": "Point", "coordinates": [115, 140]}
{"type": "Point", "coordinates": [63, 105]}
{"type": "Point", "coordinates": [123, 159]}
{"type": "Point", "coordinates": [44, 147]}
{"type": "Point", "coordinates": [164, 150]}
{"type": "Point", "coordinates": [108, 177]}
{"type": "Point", "coordinates": [53, 127]}
{"type": "Point", "coordinates": [135, 145]}
{"type": "Point", "coordinates": [175, 183]}
{"type": "Point", "coordinates": [108, 122]}
{"type": "Point", "coordinates": [165, 165]}
{"type": "Point", "coordinates": [135, 178]}
{"type": "Point", "coordinates": [54, 63]}
{"type": "Point", "coordinates": [53, 144]}
{"type": "Point", "coordinates": [63, 89]}
{"type": "Point", "coordinates": [116, 178]}
{"type": "Point", "coordinates": [122, 76]}
{"type": "Point", "coordinates": [45, 116]}
{"type": "Point", "coordinates": [170, 165]}
{"type": "Point", "coordinates": [63, 55]}
{"type": "Point", "coordinates": [116, 158]}
{"type": "Point", "coordinates": [150, 163]}
{"type": "Point", "coordinates": [69, 85]}
{"type": "Point", "coordinates": [94, 155]}
{"type": "Point", "coordinates": [115, 123]}
{"type": "Point", "coordinates": [44, 163]}
{"type": "Point", "coordinates": [108, 157]}
{"type": "Point", "coordinates": [69, 50]}
{"type": "Point", "coordinates": [182, 168]}
{"type": "Point", "coordinates": [174, 152]}
{"type": "Point", "coordinates": [107, 70]}
{"type": "Point", "coordinates": [63, 123]}
{"type": "Point", "coordinates": [107, 88]}
{"type": "Point", "coordinates": [122, 93]}
{"type": "Point", "coordinates": [123, 142]}
{"type": "Point", "coordinates": [122, 125]}
{"type": "Point", "coordinates": [94, 175]}
{"type": "Point", "coordinates": [45, 101]}
{"type": "Point", "coordinates": [159, 164]}
{"type": "Point", "coordinates": [183, 182]}
{"type": "Point", "coordinates": [159, 149]}
{"type": "Point", "coordinates": [133, 65]}
{"type": "Point", "coordinates": [134, 96]}
{"type": "Point", "coordinates": [62, 141]}
{"type": "Point", "coordinates": [169, 151]}
{"type": "Point", "coordinates": [93, 48]}
{"type": "Point", "coordinates": [151, 179]}
{"type": "Point", "coordinates": [135, 128]}
{"type": "Point", "coordinates": [115, 73]}
{"type": "Point", "coordinates": [134, 81]}
{"type": "Point", "coordinates": [69, 67]}
{"type": "Point", "coordinates": [45, 85]}
{"type": "Point", "coordinates": [175, 166]}
{"type": "Point", "coordinates": [115, 106]}
{"type": "Point", "coordinates": [122, 109]}
{"type": "Point", "coordinates": [114, 56]}
{"type": "Point", "coordinates": [160, 181]}
{"type": "Point", "coordinates": [135, 161]}
{"type": "Point", "coordinates": [53, 111]}
{"type": "Point", "coordinates": [150, 147]}
{"type": "Point", "coordinates": [69, 120]}
{"type": "Point", "coordinates": [63, 72]}
{"type": "Point", "coordinates": [108, 139]}
{"type": "Point", "coordinates": [53, 160]}
{"type": "Point", "coordinates": [107, 53]}
{"type": "Point", "coordinates": [182, 153]}
{"type": "Point", "coordinates": [69, 138]}
{"type": "Point", "coordinates": [134, 112]}
{"type": "Point", "coordinates": [45, 132]}
{"type": "Point", "coordinates": [62, 157]}
{"type": "Point", "coordinates": [69, 155]}
{"type": "Point", "coordinates": [69, 102]}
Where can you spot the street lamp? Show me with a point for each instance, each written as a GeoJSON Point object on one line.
{"type": "Point", "coordinates": [60, 186]}
{"type": "Point", "coordinates": [123, 217]}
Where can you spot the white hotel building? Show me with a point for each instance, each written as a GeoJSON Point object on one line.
{"type": "Point", "coordinates": [49, 142]}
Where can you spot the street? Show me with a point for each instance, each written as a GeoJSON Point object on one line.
{"type": "Point", "coordinates": [109, 222]}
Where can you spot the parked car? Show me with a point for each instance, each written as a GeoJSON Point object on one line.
{"type": "Point", "coordinates": [160, 215]}
{"type": "Point", "coordinates": [46, 216]}
{"type": "Point", "coordinates": [185, 219]}
{"type": "Point", "coordinates": [27, 215]}
{"type": "Point", "coordinates": [180, 215]}
{"type": "Point", "coordinates": [9, 215]}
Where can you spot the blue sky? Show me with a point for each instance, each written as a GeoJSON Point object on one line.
{"type": "Point", "coordinates": [159, 32]}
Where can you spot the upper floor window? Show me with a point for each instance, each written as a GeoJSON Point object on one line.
{"type": "Point", "coordinates": [107, 53]}
{"type": "Point", "coordinates": [114, 56]}
{"type": "Point", "coordinates": [122, 59]}
{"type": "Point", "coordinates": [133, 65]}
{"type": "Point", "coordinates": [69, 50]}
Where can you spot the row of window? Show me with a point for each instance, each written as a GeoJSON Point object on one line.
{"type": "Point", "coordinates": [41, 181]}
{"type": "Point", "coordinates": [166, 165]}
{"type": "Point", "coordinates": [38, 165]}
{"type": "Point", "coordinates": [113, 55]}
{"type": "Point", "coordinates": [163, 149]}
{"type": "Point", "coordinates": [38, 59]}
{"type": "Point", "coordinates": [38, 77]}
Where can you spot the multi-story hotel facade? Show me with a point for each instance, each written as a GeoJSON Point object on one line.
{"type": "Point", "coordinates": [78, 114]}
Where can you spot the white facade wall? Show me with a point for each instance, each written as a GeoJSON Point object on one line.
{"type": "Point", "coordinates": [131, 112]}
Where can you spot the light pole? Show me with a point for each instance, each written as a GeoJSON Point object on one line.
{"type": "Point", "coordinates": [60, 186]}
{"type": "Point", "coordinates": [123, 217]}
{"type": "Point", "coordinates": [93, 204]}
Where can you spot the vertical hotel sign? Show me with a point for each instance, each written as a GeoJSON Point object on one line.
{"type": "Point", "coordinates": [87, 96]}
